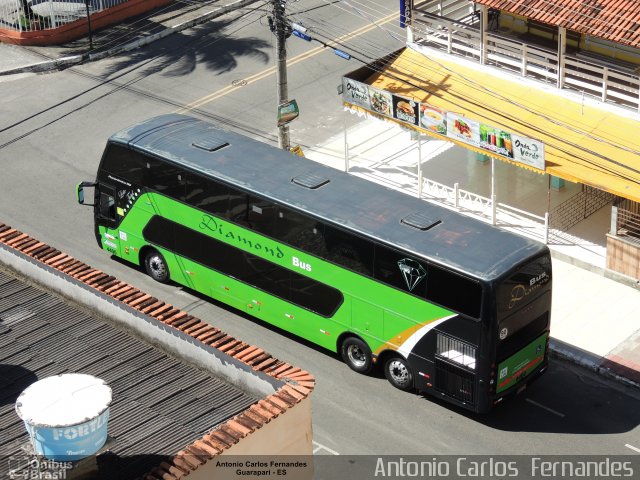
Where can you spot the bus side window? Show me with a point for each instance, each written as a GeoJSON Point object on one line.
{"type": "Point", "coordinates": [165, 178]}
{"type": "Point", "coordinates": [206, 195]}
{"type": "Point", "coordinates": [107, 205]}
{"type": "Point", "coordinates": [262, 215]}
{"type": "Point", "coordinates": [301, 231]}
{"type": "Point", "coordinates": [238, 207]}
{"type": "Point", "coordinates": [349, 250]}
{"type": "Point", "coordinates": [388, 269]}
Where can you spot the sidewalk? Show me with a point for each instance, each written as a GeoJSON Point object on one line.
{"type": "Point", "coordinates": [595, 320]}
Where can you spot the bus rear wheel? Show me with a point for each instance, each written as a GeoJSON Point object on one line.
{"type": "Point", "coordinates": [356, 354]}
{"type": "Point", "coordinates": [399, 374]}
{"type": "Point", "coordinates": [156, 266]}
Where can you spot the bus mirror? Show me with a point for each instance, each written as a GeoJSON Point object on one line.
{"type": "Point", "coordinates": [80, 192]}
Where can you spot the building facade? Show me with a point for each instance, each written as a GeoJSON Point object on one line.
{"type": "Point", "coordinates": [551, 87]}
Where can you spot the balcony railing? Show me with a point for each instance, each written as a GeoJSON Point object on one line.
{"type": "Point", "coordinates": [625, 221]}
{"type": "Point", "coordinates": [594, 75]}
{"type": "Point", "coordinates": [31, 15]}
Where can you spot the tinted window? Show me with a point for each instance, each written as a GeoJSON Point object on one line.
{"type": "Point", "coordinates": [454, 291]}
{"type": "Point", "coordinates": [107, 204]}
{"type": "Point", "coordinates": [525, 284]}
{"type": "Point", "coordinates": [124, 163]}
{"type": "Point", "coordinates": [207, 195]}
{"type": "Point", "coordinates": [165, 178]}
{"type": "Point", "coordinates": [400, 271]}
{"type": "Point", "coordinates": [301, 231]}
{"type": "Point", "coordinates": [349, 250]}
{"type": "Point", "coordinates": [244, 266]}
{"type": "Point", "coordinates": [238, 207]}
{"type": "Point", "coordinates": [262, 216]}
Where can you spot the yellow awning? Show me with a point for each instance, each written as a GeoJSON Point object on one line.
{"type": "Point", "coordinates": [583, 142]}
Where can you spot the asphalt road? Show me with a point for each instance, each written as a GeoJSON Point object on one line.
{"type": "Point", "coordinates": [53, 129]}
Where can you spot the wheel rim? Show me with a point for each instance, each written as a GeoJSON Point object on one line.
{"type": "Point", "coordinates": [157, 267]}
{"type": "Point", "coordinates": [398, 372]}
{"type": "Point", "coordinates": [356, 356]}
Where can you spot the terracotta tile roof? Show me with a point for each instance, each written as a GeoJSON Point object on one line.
{"type": "Point", "coordinates": [615, 20]}
{"type": "Point", "coordinates": [298, 383]}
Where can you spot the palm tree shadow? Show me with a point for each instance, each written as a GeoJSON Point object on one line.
{"type": "Point", "coordinates": [207, 45]}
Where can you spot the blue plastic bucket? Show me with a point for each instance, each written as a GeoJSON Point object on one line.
{"type": "Point", "coordinates": [66, 416]}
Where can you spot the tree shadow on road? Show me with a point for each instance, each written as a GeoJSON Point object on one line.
{"type": "Point", "coordinates": [209, 45]}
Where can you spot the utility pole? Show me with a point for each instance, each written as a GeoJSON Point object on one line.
{"type": "Point", "coordinates": [281, 31]}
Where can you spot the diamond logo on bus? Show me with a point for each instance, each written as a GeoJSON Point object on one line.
{"type": "Point", "coordinates": [412, 272]}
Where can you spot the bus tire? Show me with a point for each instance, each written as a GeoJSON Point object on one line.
{"type": "Point", "coordinates": [399, 373]}
{"type": "Point", "coordinates": [356, 354]}
{"type": "Point", "coordinates": [156, 266]}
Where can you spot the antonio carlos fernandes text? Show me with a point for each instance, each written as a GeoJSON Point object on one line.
{"type": "Point", "coordinates": [491, 468]}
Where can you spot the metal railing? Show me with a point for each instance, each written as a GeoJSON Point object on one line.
{"type": "Point", "coordinates": [605, 79]}
{"type": "Point", "coordinates": [579, 207]}
{"type": "Point", "coordinates": [32, 15]}
{"type": "Point", "coordinates": [625, 221]}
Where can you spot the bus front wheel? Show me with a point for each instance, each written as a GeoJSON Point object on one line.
{"type": "Point", "coordinates": [356, 354]}
{"type": "Point", "coordinates": [399, 374]}
{"type": "Point", "coordinates": [156, 266]}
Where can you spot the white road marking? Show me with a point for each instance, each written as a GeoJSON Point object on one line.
{"type": "Point", "coordinates": [319, 447]}
{"type": "Point", "coordinates": [546, 408]}
{"type": "Point", "coordinates": [635, 449]}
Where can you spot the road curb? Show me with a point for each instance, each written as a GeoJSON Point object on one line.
{"type": "Point", "coordinates": [66, 62]}
{"type": "Point", "coordinates": [563, 351]}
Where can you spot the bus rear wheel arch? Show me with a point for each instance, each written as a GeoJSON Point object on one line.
{"type": "Point", "coordinates": [356, 354]}
{"type": "Point", "coordinates": [155, 265]}
{"type": "Point", "coordinates": [399, 373]}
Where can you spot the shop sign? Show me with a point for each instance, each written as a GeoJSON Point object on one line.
{"type": "Point", "coordinates": [405, 12]}
{"type": "Point", "coordinates": [425, 116]}
{"type": "Point", "coordinates": [381, 101]}
{"type": "Point", "coordinates": [528, 151]}
{"type": "Point", "coordinates": [405, 110]}
{"type": "Point", "coordinates": [463, 129]}
{"type": "Point", "coordinates": [433, 118]}
{"type": "Point", "coordinates": [287, 112]}
{"type": "Point", "coordinates": [356, 93]}
{"type": "Point", "coordinates": [496, 141]}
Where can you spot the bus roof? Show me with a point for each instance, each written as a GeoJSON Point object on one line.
{"type": "Point", "coordinates": [389, 216]}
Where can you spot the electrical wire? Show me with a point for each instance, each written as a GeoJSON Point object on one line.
{"type": "Point", "coordinates": [111, 81]}
{"type": "Point", "coordinates": [474, 84]}
{"type": "Point", "coordinates": [380, 69]}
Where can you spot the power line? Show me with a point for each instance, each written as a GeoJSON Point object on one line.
{"type": "Point", "coordinates": [475, 85]}
{"type": "Point", "coordinates": [562, 142]}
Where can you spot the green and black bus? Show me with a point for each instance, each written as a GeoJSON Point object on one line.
{"type": "Point", "coordinates": [444, 303]}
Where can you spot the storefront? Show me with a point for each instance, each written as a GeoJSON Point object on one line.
{"type": "Point", "coordinates": [527, 125]}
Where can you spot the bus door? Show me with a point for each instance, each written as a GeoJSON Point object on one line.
{"type": "Point", "coordinates": [106, 215]}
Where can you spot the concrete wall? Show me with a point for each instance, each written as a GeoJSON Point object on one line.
{"type": "Point", "coordinates": [286, 438]}
{"type": "Point", "coordinates": [80, 28]}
